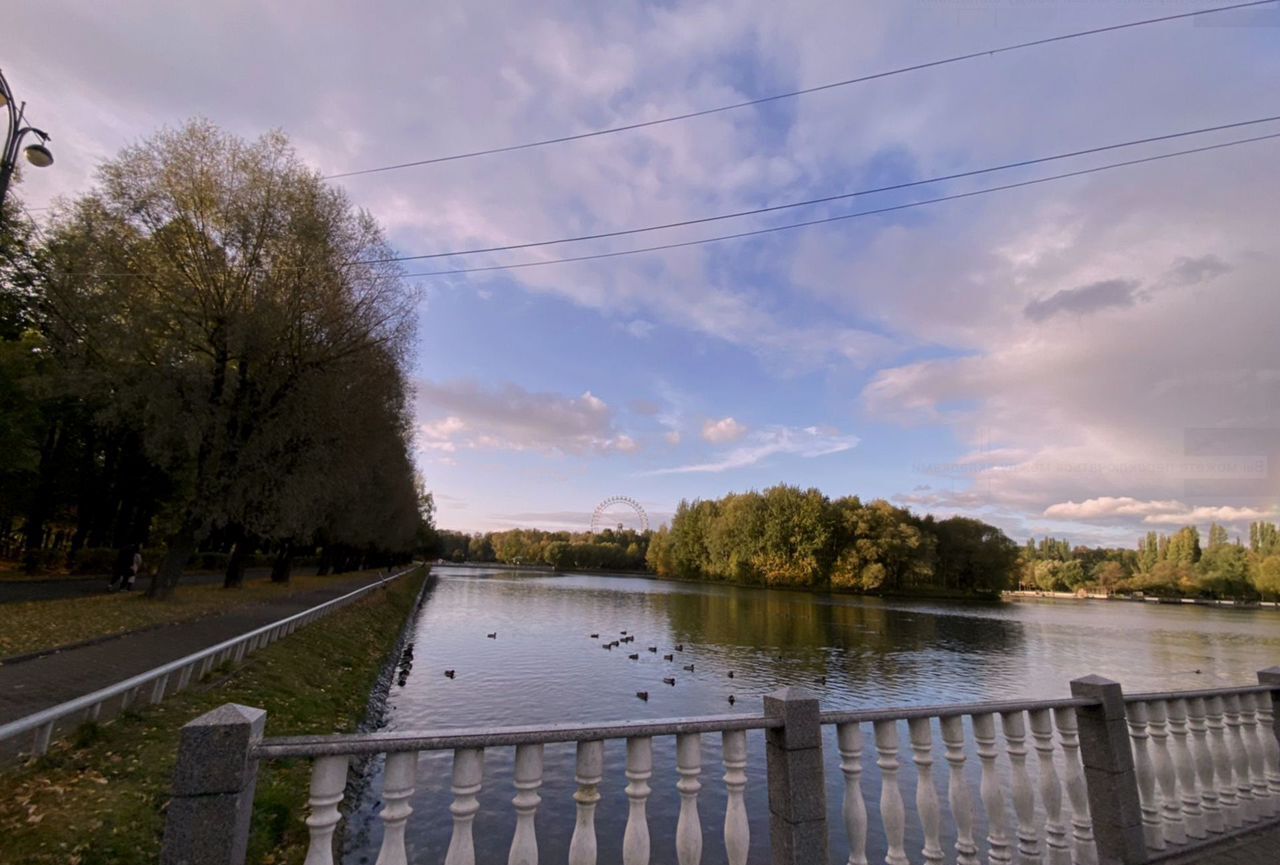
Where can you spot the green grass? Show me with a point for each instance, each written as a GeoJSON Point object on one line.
{"type": "Point", "coordinates": [34, 626]}
{"type": "Point", "coordinates": [99, 798]}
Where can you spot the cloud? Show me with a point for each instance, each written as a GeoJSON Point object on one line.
{"type": "Point", "coordinates": [723, 431]}
{"type": "Point", "coordinates": [808, 443]}
{"type": "Point", "coordinates": [1166, 513]}
{"type": "Point", "coordinates": [1193, 271]}
{"type": "Point", "coordinates": [1084, 300]}
{"type": "Point", "coordinates": [672, 437]}
{"type": "Point", "coordinates": [512, 418]}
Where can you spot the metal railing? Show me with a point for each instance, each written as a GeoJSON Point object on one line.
{"type": "Point", "coordinates": [1071, 772]}
{"type": "Point", "coordinates": [168, 679]}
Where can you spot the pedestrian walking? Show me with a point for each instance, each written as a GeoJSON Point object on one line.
{"type": "Point", "coordinates": [135, 565]}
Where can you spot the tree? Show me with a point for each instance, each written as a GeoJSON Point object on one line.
{"type": "Point", "coordinates": [1267, 578]}
{"type": "Point", "coordinates": [232, 306]}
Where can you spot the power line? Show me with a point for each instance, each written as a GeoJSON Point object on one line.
{"type": "Point", "coordinates": [561, 139]}
{"type": "Point", "coordinates": [827, 198]}
{"type": "Point", "coordinates": [855, 215]}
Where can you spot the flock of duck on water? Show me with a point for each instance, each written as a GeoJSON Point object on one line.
{"type": "Point", "coordinates": [627, 638]}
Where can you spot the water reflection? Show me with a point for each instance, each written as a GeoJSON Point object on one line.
{"type": "Point", "coordinates": [543, 667]}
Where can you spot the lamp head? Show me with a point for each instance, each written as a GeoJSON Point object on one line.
{"type": "Point", "coordinates": [38, 155]}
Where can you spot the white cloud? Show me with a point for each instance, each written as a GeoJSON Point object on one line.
{"type": "Point", "coordinates": [723, 431]}
{"type": "Point", "coordinates": [808, 442]}
{"type": "Point", "coordinates": [512, 418]}
{"type": "Point", "coordinates": [1168, 512]}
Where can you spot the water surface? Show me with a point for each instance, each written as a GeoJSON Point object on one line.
{"type": "Point", "coordinates": [853, 652]}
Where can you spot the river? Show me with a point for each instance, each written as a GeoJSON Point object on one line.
{"type": "Point", "coordinates": [853, 652]}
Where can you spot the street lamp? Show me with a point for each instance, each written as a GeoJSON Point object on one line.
{"type": "Point", "coordinates": [37, 154]}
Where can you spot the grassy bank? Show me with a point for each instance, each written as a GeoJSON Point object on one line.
{"type": "Point", "coordinates": [34, 626]}
{"type": "Point", "coordinates": [100, 799]}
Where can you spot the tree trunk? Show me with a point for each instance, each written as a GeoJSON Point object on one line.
{"type": "Point", "coordinates": [326, 560]}
{"type": "Point", "coordinates": [234, 577]}
{"type": "Point", "coordinates": [181, 545]}
{"type": "Point", "coordinates": [282, 567]}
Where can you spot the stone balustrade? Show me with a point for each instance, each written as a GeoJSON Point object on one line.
{"type": "Point", "coordinates": [1099, 777]}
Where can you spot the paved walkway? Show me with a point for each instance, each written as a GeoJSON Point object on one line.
{"type": "Point", "coordinates": [31, 685]}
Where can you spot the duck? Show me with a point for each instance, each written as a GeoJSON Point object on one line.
{"type": "Point", "coordinates": [679, 647]}
{"type": "Point", "coordinates": [635, 657]}
{"type": "Point", "coordinates": [595, 636]}
{"type": "Point", "coordinates": [821, 680]}
{"type": "Point", "coordinates": [608, 646]}
{"type": "Point", "coordinates": [668, 657]}
{"type": "Point", "coordinates": [492, 636]}
{"type": "Point", "coordinates": [450, 673]}
{"type": "Point", "coordinates": [668, 681]}
{"type": "Point", "coordinates": [688, 668]}
{"type": "Point", "coordinates": [731, 674]}
{"type": "Point", "coordinates": [623, 633]}
{"type": "Point", "coordinates": [732, 699]}
{"type": "Point", "coordinates": [643, 695]}
{"type": "Point", "coordinates": [653, 649]}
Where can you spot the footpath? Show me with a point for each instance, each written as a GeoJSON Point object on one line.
{"type": "Point", "coordinates": [27, 686]}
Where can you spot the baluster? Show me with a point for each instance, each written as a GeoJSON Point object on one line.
{"type": "Point", "coordinates": [1185, 769]}
{"type": "Point", "coordinates": [635, 840]}
{"type": "Point", "coordinates": [1222, 764]}
{"type": "Point", "coordinates": [1239, 759]}
{"type": "Point", "coordinates": [397, 787]}
{"type": "Point", "coordinates": [926, 794]}
{"type": "Point", "coordinates": [958, 791]}
{"type": "Point", "coordinates": [1175, 831]}
{"type": "Point", "coordinates": [893, 812]}
{"type": "Point", "coordinates": [1024, 804]}
{"type": "Point", "coordinates": [328, 780]}
{"type": "Point", "coordinates": [1153, 832]}
{"type": "Point", "coordinates": [1202, 756]}
{"type": "Point", "coordinates": [582, 848]}
{"type": "Point", "coordinates": [1264, 805]}
{"type": "Point", "coordinates": [1271, 747]}
{"type": "Point", "coordinates": [1077, 793]}
{"type": "Point", "coordinates": [737, 833]}
{"type": "Point", "coordinates": [468, 775]}
{"type": "Point", "coordinates": [1055, 829]}
{"type": "Point", "coordinates": [984, 733]}
{"type": "Point", "coordinates": [528, 778]}
{"type": "Point", "coordinates": [688, 826]}
{"type": "Point", "coordinates": [854, 809]}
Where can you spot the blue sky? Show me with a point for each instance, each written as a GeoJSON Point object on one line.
{"type": "Point", "coordinates": [1034, 358]}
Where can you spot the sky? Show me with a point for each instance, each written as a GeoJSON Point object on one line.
{"type": "Point", "coordinates": [1092, 357]}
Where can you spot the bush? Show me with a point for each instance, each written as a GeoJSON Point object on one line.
{"type": "Point", "coordinates": [95, 560]}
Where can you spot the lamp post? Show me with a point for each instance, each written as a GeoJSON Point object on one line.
{"type": "Point", "coordinates": [37, 154]}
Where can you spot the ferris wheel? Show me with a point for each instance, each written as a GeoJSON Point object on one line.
{"type": "Point", "coordinates": [598, 515]}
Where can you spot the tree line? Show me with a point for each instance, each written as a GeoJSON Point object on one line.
{"type": "Point", "coordinates": [1170, 565]}
{"type": "Point", "coordinates": [205, 354]}
{"type": "Point", "coordinates": [785, 536]}
{"type": "Point", "coordinates": [617, 550]}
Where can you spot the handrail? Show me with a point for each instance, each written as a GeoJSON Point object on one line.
{"type": "Point", "coordinates": [449, 739]}
{"type": "Point", "coordinates": [907, 713]}
{"type": "Point", "coordinates": [452, 738]}
{"type": "Point", "coordinates": [45, 717]}
{"type": "Point", "coordinates": [1156, 696]}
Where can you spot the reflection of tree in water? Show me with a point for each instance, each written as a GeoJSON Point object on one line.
{"type": "Point", "coordinates": [866, 635]}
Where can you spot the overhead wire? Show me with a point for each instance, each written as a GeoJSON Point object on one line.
{"type": "Point", "coordinates": [826, 199]}
{"type": "Point", "coordinates": [916, 67]}
{"type": "Point", "coordinates": [845, 216]}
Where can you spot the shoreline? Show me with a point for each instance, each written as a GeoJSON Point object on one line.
{"type": "Point", "coordinates": [1028, 594]}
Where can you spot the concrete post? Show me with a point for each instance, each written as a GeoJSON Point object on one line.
{"type": "Point", "coordinates": [1109, 774]}
{"type": "Point", "coordinates": [1271, 677]}
{"type": "Point", "coordinates": [797, 790]}
{"type": "Point", "coordinates": [208, 818]}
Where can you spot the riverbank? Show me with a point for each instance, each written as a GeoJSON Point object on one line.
{"type": "Point", "coordinates": [1024, 594]}
{"type": "Point", "coordinates": [100, 797]}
